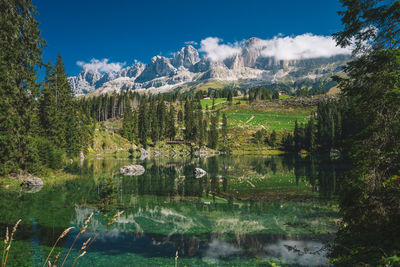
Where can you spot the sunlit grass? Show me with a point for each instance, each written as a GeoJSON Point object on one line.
{"type": "Point", "coordinates": [278, 120]}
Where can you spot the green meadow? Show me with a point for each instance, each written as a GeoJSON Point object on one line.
{"type": "Point", "coordinates": [278, 120]}
{"type": "Point", "coordinates": [222, 102]}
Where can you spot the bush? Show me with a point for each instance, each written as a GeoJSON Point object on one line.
{"type": "Point", "coordinates": [259, 136]}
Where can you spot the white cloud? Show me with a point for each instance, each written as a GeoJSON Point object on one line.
{"type": "Point", "coordinates": [303, 46]}
{"type": "Point", "coordinates": [191, 43]}
{"type": "Point", "coordinates": [101, 65]}
{"type": "Point", "coordinates": [216, 51]}
{"type": "Point", "coordinates": [300, 47]}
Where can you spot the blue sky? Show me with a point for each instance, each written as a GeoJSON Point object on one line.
{"type": "Point", "coordinates": [123, 31]}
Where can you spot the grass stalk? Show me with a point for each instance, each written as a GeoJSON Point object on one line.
{"type": "Point", "coordinates": [76, 238]}
{"type": "Point", "coordinates": [63, 234]}
{"type": "Point", "coordinates": [10, 242]}
{"type": "Point", "coordinates": [5, 246]}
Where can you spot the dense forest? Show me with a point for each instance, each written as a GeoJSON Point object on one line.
{"type": "Point", "coordinates": [156, 118]}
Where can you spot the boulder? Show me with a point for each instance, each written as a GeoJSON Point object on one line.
{"type": "Point", "coordinates": [82, 156]}
{"type": "Point", "coordinates": [32, 181]}
{"type": "Point", "coordinates": [335, 154]}
{"type": "Point", "coordinates": [132, 170]}
{"type": "Point", "coordinates": [198, 172]}
{"type": "Point", "coordinates": [143, 153]}
{"type": "Point", "coordinates": [31, 189]}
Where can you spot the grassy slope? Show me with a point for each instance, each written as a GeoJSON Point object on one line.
{"type": "Point", "coordinates": [222, 102]}
{"type": "Point", "coordinates": [244, 116]}
{"type": "Point", "coordinates": [245, 120]}
{"type": "Point", "coordinates": [334, 91]}
{"type": "Point", "coordinates": [109, 141]}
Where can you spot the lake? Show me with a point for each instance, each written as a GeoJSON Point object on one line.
{"type": "Point", "coordinates": [246, 211]}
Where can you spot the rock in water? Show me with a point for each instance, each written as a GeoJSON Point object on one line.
{"type": "Point", "coordinates": [335, 154]}
{"type": "Point", "coordinates": [143, 154]}
{"type": "Point", "coordinates": [82, 157]}
{"type": "Point", "coordinates": [132, 170]}
{"type": "Point", "coordinates": [32, 181]}
{"type": "Point", "coordinates": [198, 172]}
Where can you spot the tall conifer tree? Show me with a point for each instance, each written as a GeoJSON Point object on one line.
{"type": "Point", "coordinates": [171, 130]}
{"type": "Point", "coordinates": [20, 46]}
{"type": "Point", "coordinates": [143, 123]}
{"type": "Point", "coordinates": [128, 125]}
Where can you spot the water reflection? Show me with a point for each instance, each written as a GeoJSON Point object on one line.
{"type": "Point", "coordinates": [226, 174]}
{"type": "Point", "coordinates": [205, 219]}
{"type": "Point", "coordinates": [305, 253]}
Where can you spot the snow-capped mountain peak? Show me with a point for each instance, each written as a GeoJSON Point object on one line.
{"type": "Point", "coordinates": [249, 66]}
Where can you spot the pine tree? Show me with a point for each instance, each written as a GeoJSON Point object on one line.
{"type": "Point", "coordinates": [136, 125]}
{"type": "Point", "coordinates": [260, 136]}
{"type": "Point", "coordinates": [67, 116]}
{"type": "Point", "coordinates": [87, 126]}
{"type": "Point", "coordinates": [371, 138]}
{"type": "Point", "coordinates": [142, 123]}
{"type": "Point", "coordinates": [154, 123]}
{"type": "Point", "coordinates": [230, 97]}
{"type": "Point", "coordinates": [288, 142]}
{"type": "Point", "coordinates": [310, 135]}
{"type": "Point", "coordinates": [20, 46]}
{"type": "Point", "coordinates": [161, 116]}
{"type": "Point", "coordinates": [180, 116]}
{"type": "Point", "coordinates": [205, 128]}
{"type": "Point", "coordinates": [189, 121]}
{"type": "Point", "coordinates": [272, 139]}
{"type": "Point", "coordinates": [200, 129]}
{"type": "Point", "coordinates": [224, 132]}
{"type": "Point", "coordinates": [213, 133]}
{"type": "Point", "coordinates": [171, 130]}
{"type": "Point", "coordinates": [128, 125]}
{"type": "Point", "coordinates": [297, 137]}
{"type": "Point", "coordinates": [73, 143]}
{"type": "Point", "coordinates": [49, 112]}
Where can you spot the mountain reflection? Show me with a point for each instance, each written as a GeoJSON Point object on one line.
{"type": "Point", "coordinates": [244, 207]}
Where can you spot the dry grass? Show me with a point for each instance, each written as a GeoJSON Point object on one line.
{"type": "Point", "coordinates": [85, 245]}
{"type": "Point", "coordinates": [7, 243]}
{"type": "Point", "coordinates": [63, 234]}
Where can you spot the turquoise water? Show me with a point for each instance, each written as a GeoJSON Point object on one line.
{"type": "Point", "coordinates": [247, 211]}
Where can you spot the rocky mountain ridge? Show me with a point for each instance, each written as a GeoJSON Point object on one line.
{"type": "Point", "coordinates": [247, 67]}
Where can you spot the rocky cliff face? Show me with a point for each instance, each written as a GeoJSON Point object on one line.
{"type": "Point", "coordinates": [249, 66]}
{"type": "Point", "coordinates": [187, 57]}
{"type": "Point", "coordinates": [85, 82]}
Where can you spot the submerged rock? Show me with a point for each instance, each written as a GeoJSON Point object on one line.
{"type": "Point", "coordinates": [198, 172]}
{"type": "Point", "coordinates": [132, 170]}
